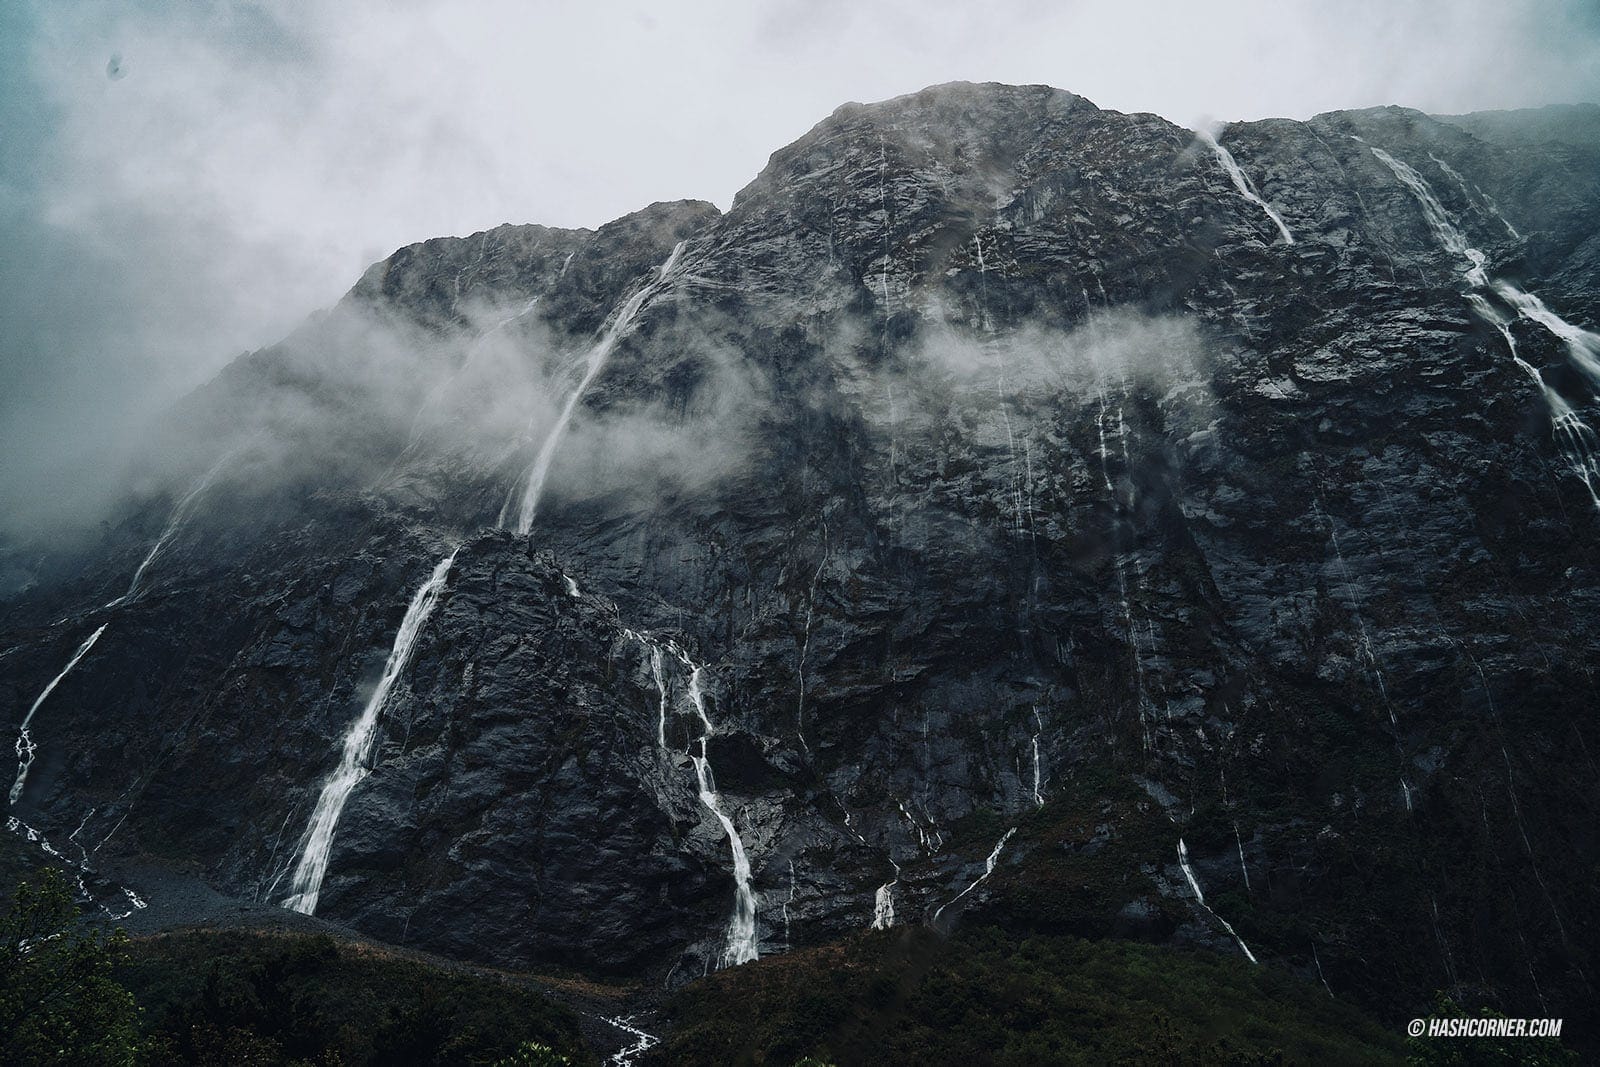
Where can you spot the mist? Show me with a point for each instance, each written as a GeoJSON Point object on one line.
{"type": "Point", "coordinates": [183, 183]}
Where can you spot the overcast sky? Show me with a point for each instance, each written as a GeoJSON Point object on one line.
{"type": "Point", "coordinates": [181, 181]}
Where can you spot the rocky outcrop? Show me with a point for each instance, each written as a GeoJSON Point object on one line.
{"type": "Point", "coordinates": [993, 463]}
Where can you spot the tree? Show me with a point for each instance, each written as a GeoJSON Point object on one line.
{"type": "Point", "coordinates": [58, 1000]}
{"type": "Point", "coordinates": [1518, 1051]}
{"type": "Point", "coordinates": [534, 1054]}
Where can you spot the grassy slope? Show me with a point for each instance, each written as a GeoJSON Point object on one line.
{"type": "Point", "coordinates": [984, 996]}
{"type": "Point", "coordinates": [247, 997]}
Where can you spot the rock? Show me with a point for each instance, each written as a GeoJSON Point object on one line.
{"type": "Point", "coordinates": [991, 449]}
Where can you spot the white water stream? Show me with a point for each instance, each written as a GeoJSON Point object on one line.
{"type": "Point", "coordinates": [359, 743]}
{"type": "Point", "coordinates": [540, 470]}
{"type": "Point", "coordinates": [1573, 437]}
{"type": "Point", "coordinates": [742, 944]}
{"type": "Point", "coordinates": [1200, 898]}
{"type": "Point", "coordinates": [1246, 188]}
{"type": "Point", "coordinates": [25, 746]}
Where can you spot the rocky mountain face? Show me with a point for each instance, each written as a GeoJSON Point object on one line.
{"type": "Point", "coordinates": [1007, 510]}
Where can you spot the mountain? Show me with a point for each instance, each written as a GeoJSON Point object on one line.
{"type": "Point", "coordinates": [1008, 513]}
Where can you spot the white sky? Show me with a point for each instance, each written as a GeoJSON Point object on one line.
{"type": "Point", "coordinates": [254, 158]}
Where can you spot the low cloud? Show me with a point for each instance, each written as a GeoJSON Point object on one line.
{"type": "Point", "coordinates": [241, 162]}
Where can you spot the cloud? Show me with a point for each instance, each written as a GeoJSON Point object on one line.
{"type": "Point", "coordinates": [1111, 348]}
{"type": "Point", "coordinates": [240, 163]}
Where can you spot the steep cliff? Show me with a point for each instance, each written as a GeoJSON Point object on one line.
{"type": "Point", "coordinates": [1008, 509]}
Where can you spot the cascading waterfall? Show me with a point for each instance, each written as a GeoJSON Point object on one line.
{"type": "Point", "coordinates": [1454, 241]}
{"type": "Point", "coordinates": [1320, 977]}
{"type": "Point", "coordinates": [1467, 191]}
{"type": "Point", "coordinates": [1243, 869]}
{"type": "Point", "coordinates": [25, 746]}
{"type": "Point", "coordinates": [1583, 347]}
{"type": "Point", "coordinates": [359, 743]}
{"type": "Point", "coordinates": [1242, 183]}
{"type": "Point", "coordinates": [1577, 443]}
{"type": "Point", "coordinates": [883, 901]}
{"type": "Point", "coordinates": [1573, 437]}
{"type": "Point", "coordinates": [72, 838]}
{"type": "Point", "coordinates": [743, 942]}
{"type": "Point", "coordinates": [1200, 898]}
{"type": "Point", "coordinates": [596, 359]}
{"type": "Point", "coordinates": [794, 887]}
{"type": "Point", "coordinates": [657, 669]}
{"type": "Point", "coordinates": [930, 839]}
{"type": "Point", "coordinates": [805, 645]}
{"type": "Point", "coordinates": [180, 512]}
{"type": "Point", "coordinates": [21, 829]}
{"type": "Point", "coordinates": [916, 827]}
{"type": "Point", "coordinates": [988, 869]}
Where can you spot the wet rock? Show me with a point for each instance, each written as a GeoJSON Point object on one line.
{"type": "Point", "coordinates": [991, 448]}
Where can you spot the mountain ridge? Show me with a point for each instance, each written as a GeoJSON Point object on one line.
{"type": "Point", "coordinates": [1007, 507]}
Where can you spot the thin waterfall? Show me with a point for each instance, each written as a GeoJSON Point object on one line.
{"type": "Point", "coordinates": [743, 941]}
{"type": "Point", "coordinates": [1246, 188]}
{"type": "Point", "coordinates": [596, 359]}
{"type": "Point", "coordinates": [25, 746]}
{"type": "Point", "coordinates": [988, 869]}
{"type": "Point", "coordinates": [179, 512]}
{"type": "Point", "coordinates": [1200, 898]}
{"type": "Point", "coordinates": [359, 742]}
{"type": "Point", "coordinates": [1573, 437]}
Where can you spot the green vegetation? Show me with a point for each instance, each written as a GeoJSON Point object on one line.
{"type": "Point", "coordinates": [72, 992]}
{"type": "Point", "coordinates": [1485, 1051]}
{"type": "Point", "coordinates": [984, 996]}
{"type": "Point", "coordinates": [58, 1001]}
{"type": "Point", "coordinates": [533, 1054]}
{"type": "Point", "coordinates": [257, 998]}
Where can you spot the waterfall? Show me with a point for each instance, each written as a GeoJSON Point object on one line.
{"type": "Point", "coordinates": [883, 902]}
{"type": "Point", "coordinates": [1200, 898]}
{"type": "Point", "coordinates": [988, 869]}
{"type": "Point", "coordinates": [1038, 772]}
{"type": "Point", "coordinates": [1353, 601]}
{"type": "Point", "coordinates": [1116, 558]}
{"type": "Point", "coordinates": [358, 746]}
{"type": "Point", "coordinates": [1451, 173]}
{"type": "Point", "coordinates": [179, 513]}
{"type": "Point", "coordinates": [133, 901]}
{"type": "Point", "coordinates": [25, 746]}
{"type": "Point", "coordinates": [743, 940]}
{"type": "Point", "coordinates": [1239, 842]}
{"type": "Point", "coordinates": [1244, 185]}
{"type": "Point", "coordinates": [592, 364]}
{"type": "Point", "coordinates": [1573, 437]}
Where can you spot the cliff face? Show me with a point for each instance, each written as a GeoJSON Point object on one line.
{"type": "Point", "coordinates": [1003, 508]}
